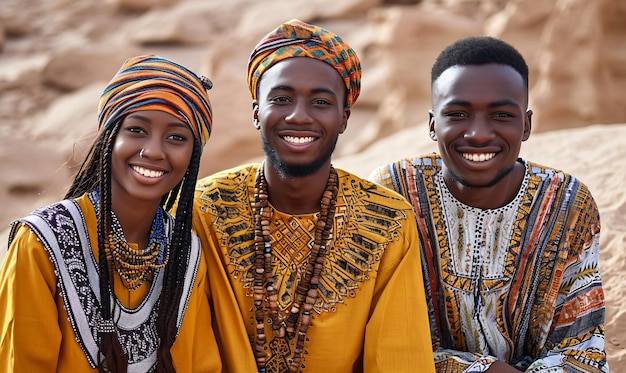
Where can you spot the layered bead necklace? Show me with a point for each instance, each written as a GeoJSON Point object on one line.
{"type": "Point", "coordinates": [133, 264]}
{"type": "Point", "coordinates": [265, 294]}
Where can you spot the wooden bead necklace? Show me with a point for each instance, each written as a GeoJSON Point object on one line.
{"type": "Point", "coordinates": [306, 291]}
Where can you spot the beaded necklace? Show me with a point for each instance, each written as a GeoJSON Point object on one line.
{"type": "Point", "coordinates": [133, 264]}
{"type": "Point", "coordinates": [306, 291]}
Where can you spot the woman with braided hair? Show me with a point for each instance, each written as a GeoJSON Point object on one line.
{"type": "Point", "coordinates": [107, 279]}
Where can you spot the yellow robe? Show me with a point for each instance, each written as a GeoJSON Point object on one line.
{"type": "Point", "coordinates": [371, 313]}
{"type": "Point", "coordinates": [35, 331]}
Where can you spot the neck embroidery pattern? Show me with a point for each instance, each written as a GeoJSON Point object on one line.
{"type": "Point", "coordinates": [478, 239]}
{"type": "Point", "coordinates": [62, 230]}
{"type": "Point", "coordinates": [265, 293]}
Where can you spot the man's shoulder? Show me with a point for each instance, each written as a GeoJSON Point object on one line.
{"type": "Point", "coordinates": [545, 170]}
{"type": "Point", "coordinates": [557, 177]}
{"type": "Point", "coordinates": [425, 160]}
{"type": "Point", "coordinates": [421, 162]}
{"type": "Point", "coordinates": [227, 187]}
{"type": "Point", "coordinates": [231, 176]}
{"type": "Point", "coordinates": [400, 172]}
{"type": "Point", "coordinates": [353, 180]}
{"type": "Point", "coordinates": [374, 192]}
{"type": "Point", "coordinates": [549, 173]}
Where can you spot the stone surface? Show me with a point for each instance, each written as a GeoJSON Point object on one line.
{"type": "Point", "coordinates": [78, 67]}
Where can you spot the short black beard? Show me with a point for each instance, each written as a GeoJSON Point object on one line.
{"type": "Point", "coordinates": [289, 171]}
{"type": "Point", "coordinates": [493, 182]}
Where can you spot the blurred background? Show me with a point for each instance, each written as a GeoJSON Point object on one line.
{"type": "Point", "coordinates": [56, 57]}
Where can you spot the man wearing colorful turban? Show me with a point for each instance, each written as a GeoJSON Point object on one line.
{"type": "Point", "coordinates": [76, 295]}
{"type": "Point", "coordinates": [312, 268]}
{"type": "Point", "coordinates": [298, 39]}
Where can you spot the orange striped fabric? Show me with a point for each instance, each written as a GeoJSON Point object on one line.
{"type": "Point", "coordinates": [151, 82]}
{"type": "Point", "coordinates": [299, 39]}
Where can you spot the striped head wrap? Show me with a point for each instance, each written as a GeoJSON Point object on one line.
{"type": "Point", "coordinates": [154, 83]}
{"type": "Point", "coordinates": [298, 39]}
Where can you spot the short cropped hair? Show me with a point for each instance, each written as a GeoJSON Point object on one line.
{"type": "Point", "coordinates": [479, 50]}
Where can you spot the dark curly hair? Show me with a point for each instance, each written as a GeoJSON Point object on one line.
{"type": "Point", "coordinates": [479, 50]}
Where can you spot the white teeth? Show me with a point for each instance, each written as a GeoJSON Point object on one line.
{"type": "Point", "coordinates": [299, 140]}
{"type": "Point", "coordinates": [478, 157]}
{"type": "Point", "coordinates": [148, 173]}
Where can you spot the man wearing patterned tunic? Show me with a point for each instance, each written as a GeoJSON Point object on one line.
{"type": "Point", "coordinates": [311, 268]}
{"type": "Point", "coordinates": [509, 247]}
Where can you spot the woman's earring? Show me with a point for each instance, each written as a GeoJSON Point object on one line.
{"type": "Point", "coordinates": [433, 136]}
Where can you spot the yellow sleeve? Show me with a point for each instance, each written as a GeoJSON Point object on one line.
{"type": "Point", "coordinates": [30, 337]}
{"type": "Point", "coordinates": [228, 320]}
{"type": "Point", "coordinates": [195, 349]}
{"type": "Point", "coordinates": [397, 337]}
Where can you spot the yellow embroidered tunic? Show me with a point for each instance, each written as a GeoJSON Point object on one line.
{"type": "Point", "coordinates": [370, 313]}
{"type": "Point", "coordinates": [36, 331]}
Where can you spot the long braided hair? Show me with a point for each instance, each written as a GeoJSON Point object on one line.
{"type": "Point", "coordinates": [95, 173]}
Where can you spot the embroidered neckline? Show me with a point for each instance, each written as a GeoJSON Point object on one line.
{"type": "Point", "coordinates": [446, 195]}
